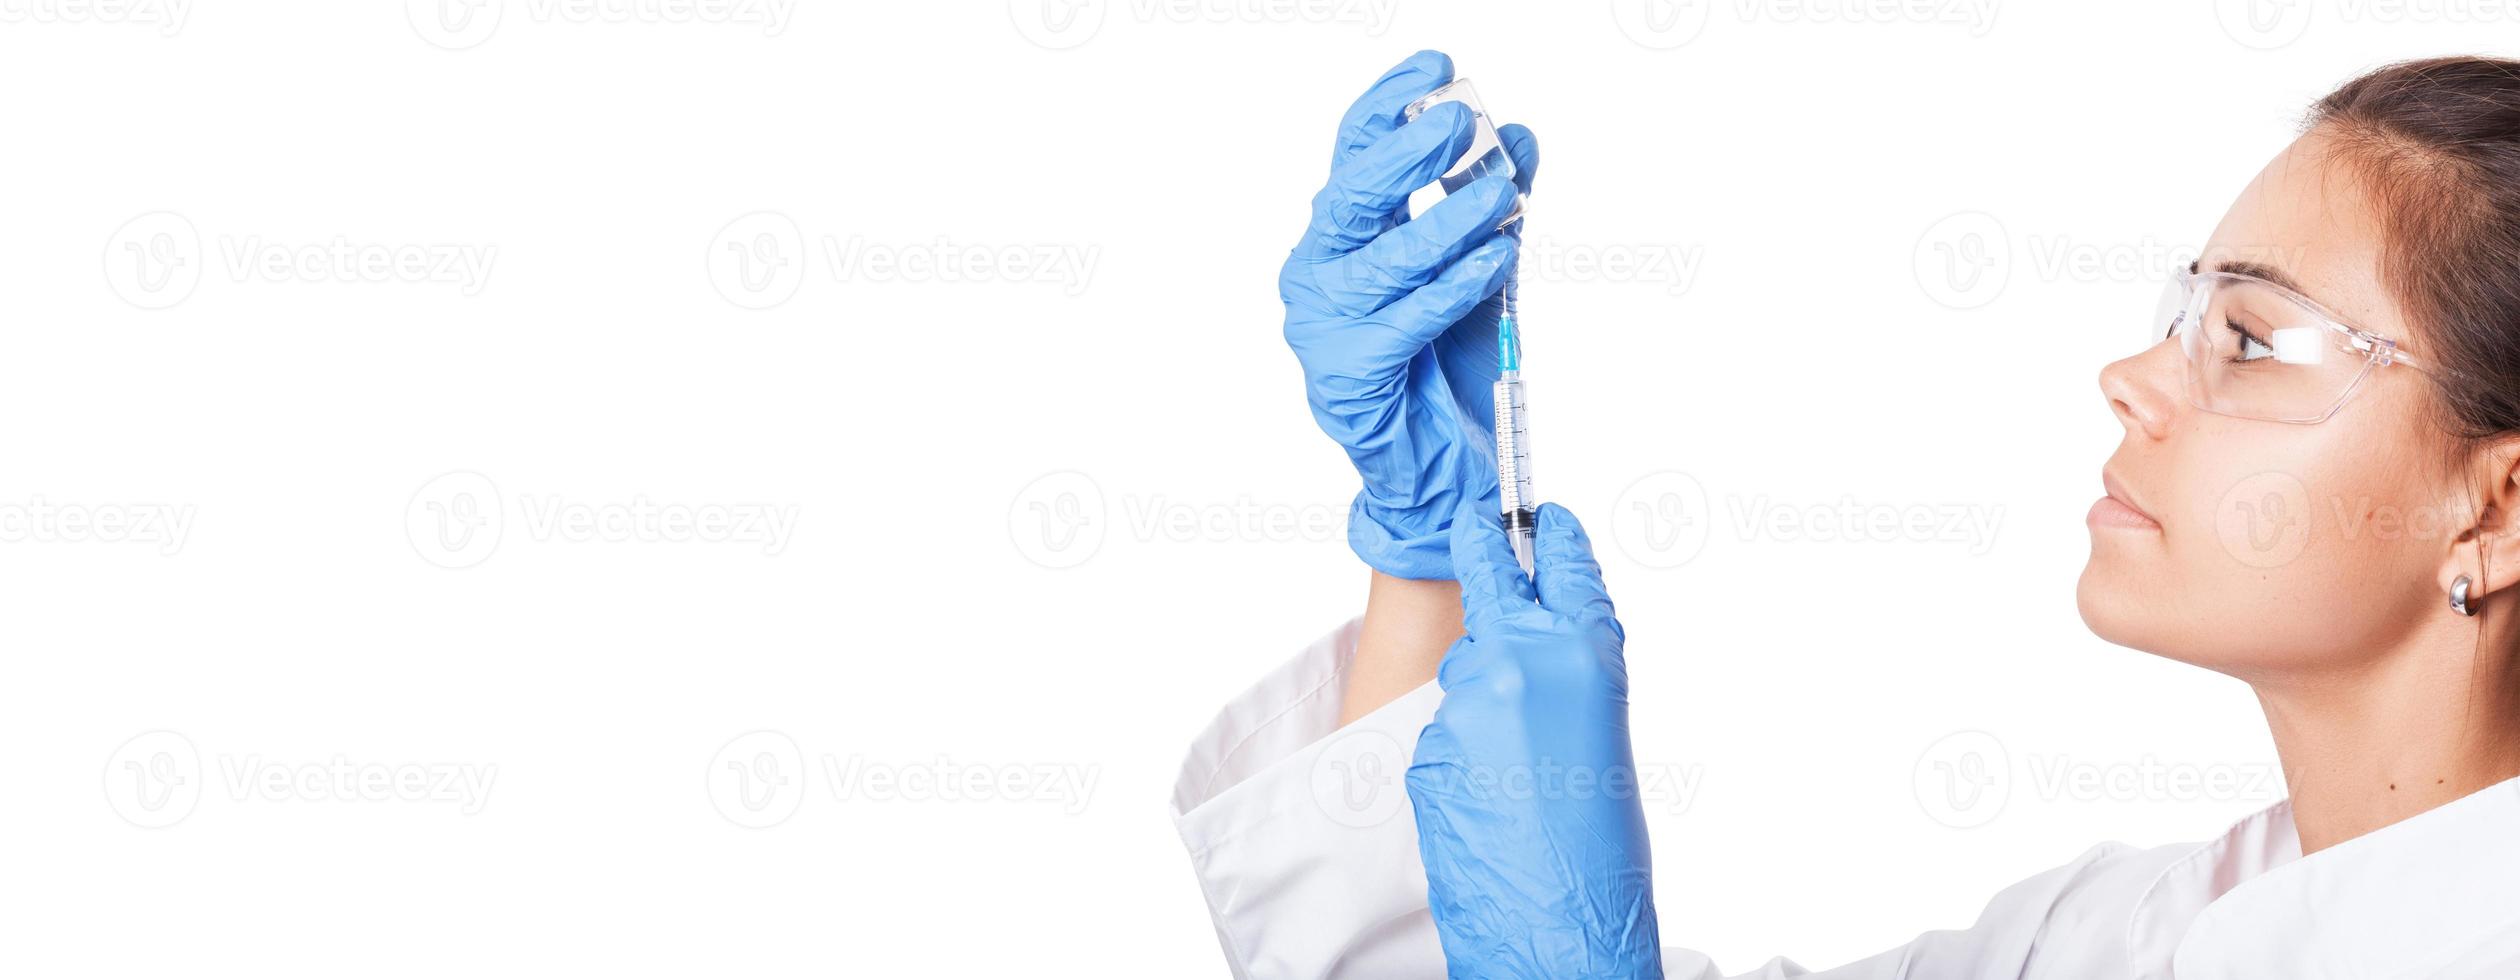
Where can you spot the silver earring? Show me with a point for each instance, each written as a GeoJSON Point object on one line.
{"type": "Point", "coordinates": [2458, 596]}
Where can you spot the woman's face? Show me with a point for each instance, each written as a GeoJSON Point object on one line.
{"type": "Point", "coordinates": [2277, 548]}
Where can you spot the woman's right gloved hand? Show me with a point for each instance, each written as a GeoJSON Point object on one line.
{"type": "Point", "coordinates": [1525, 787]}
{"type": "Point", "coordinates": [1393, 319]}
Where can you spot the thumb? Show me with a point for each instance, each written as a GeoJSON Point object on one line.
{"type": "Point", "coordinates": [1562, 559]}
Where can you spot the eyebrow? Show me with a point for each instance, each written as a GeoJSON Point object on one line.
{"type": "Point", "coordinates": [2256, 270]}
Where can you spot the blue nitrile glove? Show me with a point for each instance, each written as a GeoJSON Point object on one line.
{"type": "Point", "coordinates": [1524, 785]}
{"type": "Point", "coordinates": [1394, 319]}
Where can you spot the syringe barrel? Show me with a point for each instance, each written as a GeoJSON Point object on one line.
{"type": "Point", "coordinates": [1513, 466]}
{"type": "Point", "coordinates": [1513, 443]}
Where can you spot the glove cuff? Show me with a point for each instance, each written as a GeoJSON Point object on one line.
{"type": "Point", "coordinates": [1423, 554]}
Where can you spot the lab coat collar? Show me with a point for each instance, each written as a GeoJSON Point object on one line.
{"type": "Point", "coordinates": [2403, 900]}
{"type": "Point", "coordinates": [2259, 843]}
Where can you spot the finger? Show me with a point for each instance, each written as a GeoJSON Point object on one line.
{"type": "Point", "coordinates": [1404, 258]}
{"type": "Point", "coordinates": [1377, 112]}
{"type": "Point", "coordinates": [1367, 189]}
{"type": "Point", "coordinates": [1562, 559]}
{"type": "Point", "coordinates": [1417, 319]}
{"type": "Point", "coordinates": [1493, 586]}
{"type": "Point", "coordinates": [1524, 149]}
{"type": "Point", "coordinates": [1464, 662]}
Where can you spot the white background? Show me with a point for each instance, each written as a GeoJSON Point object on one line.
{"type": "Point", "coordinates": [1785, 257]}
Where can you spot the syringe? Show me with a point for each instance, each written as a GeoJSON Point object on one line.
{"type": "Point", "coordinates": [1513, 436]}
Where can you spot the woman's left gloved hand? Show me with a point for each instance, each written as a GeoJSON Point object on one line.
{"type": "Point", "coordinates": [1524, 785]}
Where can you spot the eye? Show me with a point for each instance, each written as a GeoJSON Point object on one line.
{"type": "Point", "coordinates": [2246, 346]}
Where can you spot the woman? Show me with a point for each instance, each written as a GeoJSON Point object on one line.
{"type": "Point", "coordinates": [2350, 336]}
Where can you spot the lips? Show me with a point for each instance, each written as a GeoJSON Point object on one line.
{"type": "Point", "coordinates": [2120, 506]}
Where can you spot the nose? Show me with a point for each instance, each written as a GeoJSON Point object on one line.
{"type": "Point", "coordinates": [2144, 390]}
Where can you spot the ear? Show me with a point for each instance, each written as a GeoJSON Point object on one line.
{"type": "Point", "coordinates": [2492, 535]}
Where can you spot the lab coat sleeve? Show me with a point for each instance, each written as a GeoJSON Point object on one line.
{"type": "Point", "coordinates": [2009, 935]}
{"type": "Point", "coordinates": [1300, 831]}
{"type": "Point", "coordinates": [1302, 839]}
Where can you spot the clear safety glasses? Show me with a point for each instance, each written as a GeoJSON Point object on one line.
{"type": "Point", "coordinates": [2256, 350]}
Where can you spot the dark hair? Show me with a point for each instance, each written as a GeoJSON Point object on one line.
{"type": "Point", "coordinates": [2437, 143]}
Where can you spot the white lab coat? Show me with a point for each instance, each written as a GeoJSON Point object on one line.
{"type": "Point", "coordinates": [1306, 850]}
